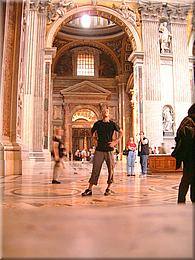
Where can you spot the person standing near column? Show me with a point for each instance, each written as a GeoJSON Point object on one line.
{"type": "Point", "coordinates": [103, 131]}
{"type": "Point", "coordinates": [58, 153]}
{"type": "Point", "coordinates": [131, 147]}
{"type": "Point", "coordinates": [143, 152]}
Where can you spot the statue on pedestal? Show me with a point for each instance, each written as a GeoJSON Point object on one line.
{"type": "Point", "coordinates": [165, 38]}
{"type": "Point", "coordinates": [167, 120]}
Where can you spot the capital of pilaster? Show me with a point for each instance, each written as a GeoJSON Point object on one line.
{"type": "Point", "coordinates": [39, 5]}
{"type": "Point", "coordinates": [152, 11]}
{"type": "Point", "coordinates": [178, 13]}
{"type": "Point", "coordinates": [136, 57]}
{"type": "Point", "coordinates": [149, 11]}
{"type": "Point", "coordinates": [50, 54]}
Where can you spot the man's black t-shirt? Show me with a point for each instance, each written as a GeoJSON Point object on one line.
{"type": "Point", "coordinates": [105, 132]}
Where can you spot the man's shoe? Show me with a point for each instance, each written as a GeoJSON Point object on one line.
{"type": "Point", "coordinates": [87, 192]}
{"type": "Point", "coordinates": [107, 192]}
{"type": "Point", "coordinates": [55, 182]}
{"type": "Point", "coordinates": [128, 175]}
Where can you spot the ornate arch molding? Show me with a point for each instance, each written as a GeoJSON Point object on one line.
{"type": "Point", "coordinates": [95, 44]}
{"type": "Point", "coordinates": [102, 11]}
{"type": "Point", "coordinates": [90, 107]}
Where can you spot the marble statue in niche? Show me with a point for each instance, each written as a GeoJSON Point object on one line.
{"type": "Point", "coordinates": [165, 38]}
{"type": "Point", "coordinates": [168, 120]}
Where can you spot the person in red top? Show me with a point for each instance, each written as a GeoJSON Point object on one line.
{"type": "Point", "coordinates": [131, 147]}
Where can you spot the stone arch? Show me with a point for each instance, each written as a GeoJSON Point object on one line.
{"type": "Point", "coordinates": [103, 11]}
{"type": "Point", "coordinates": [98, 45]}
{"type": "Point", "coordinates": [90, 107]}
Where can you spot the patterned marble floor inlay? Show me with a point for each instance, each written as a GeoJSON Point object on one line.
{"type": "Point", "coordinates": [35, 187]}
{"type": "Point", "coordinates": [139, 220]}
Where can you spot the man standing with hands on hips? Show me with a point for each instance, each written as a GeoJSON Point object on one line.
{"type": "Point", "coordinates": [103, 131]}
{"type": "Point", "coordinates": [143, 152]}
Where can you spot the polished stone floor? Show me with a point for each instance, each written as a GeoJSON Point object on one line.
{"type": "Point", "coordinates": [139, 219]}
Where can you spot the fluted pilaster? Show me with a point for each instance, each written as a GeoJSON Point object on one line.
{"type": "Point", "coordinates": [136, 92]}
{"type": "Point", "coordinates": [29, 86]}
{"type": "Point", "coordinates": [121, 93]}
{"type": "Point", "coordinates": [49, 54]}
{"type": "Point", "coordinates": [151, 60]}
{"type": "Point", "coordinates": [39, 86]}
{"type": "Point", "coordinates": [180, 62]}
{"type": "Point", "coordinates": [33, 114]}
{"type": "Point", "coordinates": [152, 120]}
{"type": "Point", "coordinates": [181, 77]}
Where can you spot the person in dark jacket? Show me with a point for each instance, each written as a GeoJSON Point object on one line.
{"type": "Point", "coordinates": [143, 152]}
{"type": "Point", "coordinates": [185, 152]}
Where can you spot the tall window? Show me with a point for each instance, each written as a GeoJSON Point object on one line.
{"type": "Point", "coordinates": [85, 64]}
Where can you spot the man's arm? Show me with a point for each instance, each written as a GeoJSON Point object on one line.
{"type": "Point", "coordinates": [94, 138]}
{"type": "Point", "coordinates": [115, 142]}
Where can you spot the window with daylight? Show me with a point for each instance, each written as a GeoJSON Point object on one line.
{"type": "Point", "coordinates": [85, 64]}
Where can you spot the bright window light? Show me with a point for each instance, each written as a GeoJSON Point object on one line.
{"type": "Point", "coordinates": [86, 21]}
{"type": "Point", "coordinates": [85, 64]}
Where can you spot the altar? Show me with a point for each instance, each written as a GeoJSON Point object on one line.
{"type": "Point", "coordinates": [162, 163]}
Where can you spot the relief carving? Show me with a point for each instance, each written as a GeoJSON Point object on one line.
{"type": "Point", "coordinates": [57, 112]}
{"type": "Point", "coordinates": [57, 10]}
{"type": "Point", "coordinates": [126, 12]}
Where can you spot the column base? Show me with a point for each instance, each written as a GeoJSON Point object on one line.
{"type": "Point", "coordinates": [36, 156]}
{"type": "Point", "coordinates": [10, 159]}
{"type": "Point", "coordinates": [43, 156]}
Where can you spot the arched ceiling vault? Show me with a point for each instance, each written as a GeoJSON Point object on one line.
{"type": "Point", "coordinates": [94, 44]}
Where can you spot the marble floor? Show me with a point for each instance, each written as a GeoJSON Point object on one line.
{"type": "Point", "coordinates": [140, 219]}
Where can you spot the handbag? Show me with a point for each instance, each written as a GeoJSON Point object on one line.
{"type": "Point", "coordinates": [125, 152]}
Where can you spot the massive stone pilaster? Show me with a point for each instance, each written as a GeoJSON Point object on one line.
{"type": "Point", "coordinates": [49, 55]}
{"type": "Point", "coordinates": [121, 93]}
{"type": "Point", "coordinates": [181, 81]}
{"type": "Point", "coordinates": [67, 127]}
{"type": "Point", "coordinates": [33, 114]}
{"type": "Point", "coordinates": [152, 124]}
{"type": "Point", "coordinates": [10, 156]}
{"type": "Point", "coordinates": [136, 93]}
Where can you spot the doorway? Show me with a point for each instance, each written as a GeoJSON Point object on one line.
{"type": "Point", "coordinates": [81, 139]}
